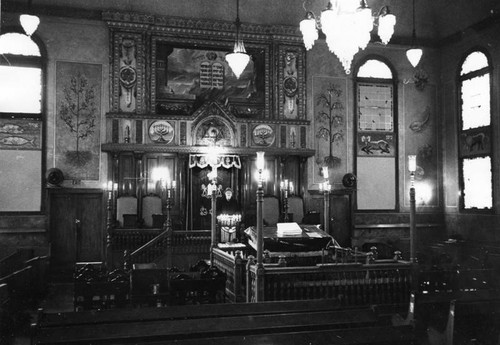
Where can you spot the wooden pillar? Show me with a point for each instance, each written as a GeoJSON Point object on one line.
{"type": "Point", "coordinates": [139, 183]}
{"type": "Point", "coordinates": [413, 225]}
{"type": "Point", "coordinates": [109, 229]}
{"type": "Point", "coordinates": [213, 224]}
{"type": "Point", "coordinates": [326, 211]}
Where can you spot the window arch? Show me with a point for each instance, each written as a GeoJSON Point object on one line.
{"type": "Point", "coordinates": [21, 123]}
{"type": "Point", "coordinates": [376, 135]}
{"type": "Point", "coordinates": [475, 134]}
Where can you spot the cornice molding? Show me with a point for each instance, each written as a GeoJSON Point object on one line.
{"type": "Point", "coordinates": [130, 116]}
{"type": "Point", "coordinates": [158, 148]}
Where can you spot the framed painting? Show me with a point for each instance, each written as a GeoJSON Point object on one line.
{"type": "Point", "coordinates": [189, 72]}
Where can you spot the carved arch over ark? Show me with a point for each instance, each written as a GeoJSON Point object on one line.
{"type": "Point", "coordinates": [168, 66]}
{"type": "Point", "coordinates": [213, 125]}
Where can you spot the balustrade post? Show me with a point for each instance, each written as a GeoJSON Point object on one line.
{"type": "Point", "coordinates": [282, 261]}
{"type": "Point", "coordinates": [250, 263]}
{"type": "Point", "coordinates": [238, 273]}
{"type": "Point", "coordinates": [170, 246]}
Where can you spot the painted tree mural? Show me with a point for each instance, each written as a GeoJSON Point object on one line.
{"type": "Point", "coordinates": [78, 110]}
{"type": "Point", "coordinates": [331, 120]}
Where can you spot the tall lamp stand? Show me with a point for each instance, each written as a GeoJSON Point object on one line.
{"type": "Point", "coordinates": [412, 167]}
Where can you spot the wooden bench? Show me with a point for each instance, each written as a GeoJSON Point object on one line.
{"type": "Point", "coordinates": [5, 319]}
{"type": "Point", "coordinates": [325, 321]}
{"type": "Point", "coordinates": [95, 288]}
{"type": "Point", "coordinates": [467, 322]}
{"type": "Point", "coordinates": [19, 285]}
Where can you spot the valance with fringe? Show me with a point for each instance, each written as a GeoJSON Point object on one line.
{"type": "Point", "coordinates": [204, 159]}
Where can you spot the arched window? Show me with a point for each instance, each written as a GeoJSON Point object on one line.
{"type": "Point", "coordinates": [376, 136]}
{"type": "Point", "coordinates": [475, 153]}
{"type": "Point", "coordinates": [21, 123]}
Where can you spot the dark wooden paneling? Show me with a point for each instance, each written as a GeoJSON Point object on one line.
{"type": "Point", "coordinates": [76, 226]}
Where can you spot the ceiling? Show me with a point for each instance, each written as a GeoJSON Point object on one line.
{"type": "Point", "coordinates": [435, 19]}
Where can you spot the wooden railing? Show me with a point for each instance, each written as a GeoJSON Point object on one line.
{"type": "Point", "coordinates": [171, 248]}
{"type": "Point", "coordinates": [351, 284]}
{"type": "Point", "coordinates": [377, 281]}
{"type": "Point", "coordinates": [234, 268]}
{"type": "Point", "coordinates": [127, 239]}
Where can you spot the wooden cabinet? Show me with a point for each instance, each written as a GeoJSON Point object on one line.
{"type": "Point", "coordinates": [341, 214]}
{"type": "Point", "coordinates": [76, 223]}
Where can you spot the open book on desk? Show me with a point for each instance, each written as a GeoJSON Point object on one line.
{"type": "Point", "coordinates": [288, 229]}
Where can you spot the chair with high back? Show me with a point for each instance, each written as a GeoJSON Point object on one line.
{"type": "Point", "coordinates": [271, 210]}
{"type": "Point", "coordinates": [151, 205]}
{"type": "Point", "coordinates": [296, 208]}
{"type": "Point", "coordinates": [125, 206]}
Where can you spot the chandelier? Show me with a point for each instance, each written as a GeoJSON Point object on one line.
{"type": "Point", "coordinates": [347, 28]}
{"type": "Point", "coordinates": [239, 58]}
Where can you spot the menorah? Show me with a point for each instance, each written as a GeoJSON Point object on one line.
{"type": "Point", "coordinates": [228, 224]}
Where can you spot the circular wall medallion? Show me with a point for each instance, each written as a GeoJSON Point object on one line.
{"type": "Point", "coordinates": [263, 135]}
{"type": "Point", "coordinates": [128, 76]}
{"type": "Point", "coordinates": [161, 132]}
{"type": "Point", "coordinates": [290, 86]}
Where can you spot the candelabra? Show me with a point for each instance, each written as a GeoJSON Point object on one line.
{"type": "Point", "coordinates": [168, 189]}
{"type": "Point", "coordinates": [286, 189]}
{"type": "Point", "coordinates": [412, 167]}
{"type": "Point", "coordinates": [325, 187]}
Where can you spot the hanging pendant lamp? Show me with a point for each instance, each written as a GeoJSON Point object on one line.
{"type": "Point", "coordinates": [29, 22]}
{"type": "Point", "coordinates": [238, 59]}
{"type": "Point", "coordinates": [414, 53]}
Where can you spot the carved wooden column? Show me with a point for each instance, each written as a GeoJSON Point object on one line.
{"type": "Point", "coordinates": [259, 278]}
{"type": "Point", "coordinates": [139, 183]}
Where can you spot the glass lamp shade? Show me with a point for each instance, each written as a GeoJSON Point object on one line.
{"type": "Point", "coordinates": [328, 19]}
{"type": "Point", "coordinates": [309, 31]}
{"type": "Point", "coordinates": [29, 23]}
{"type": "Point", "coordinates": [260, 160]}
{"type": "Point", "coordinates": [237, 61]}
{"type": "Point", "coordinates": [414, 55]}
{"type": "Point", "coordinates": [386, 27]}
{"type": "Point", "coordinates": [412, 163]}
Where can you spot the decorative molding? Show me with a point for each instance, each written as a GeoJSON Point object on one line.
{"type": "Point", "coordinates": [195, 26]}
